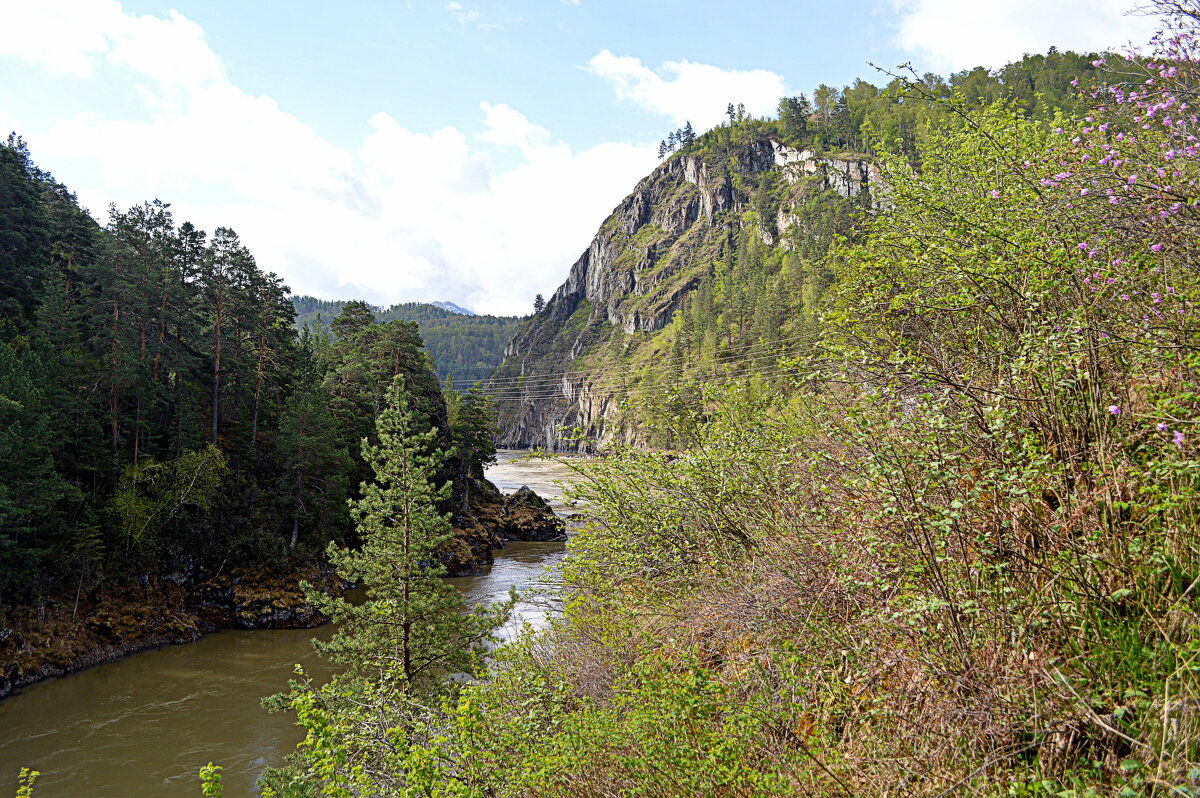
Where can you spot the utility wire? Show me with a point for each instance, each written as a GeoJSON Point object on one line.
{"type": "Point", "coordinates": [648, 391]}
{"type": "Point", "coordinates": [747, 346]}
{"type": "Point", "coordinates": [609, 375]}
{"type": "Point", "coordinates": [530, 385]}
{"type": "Point", "coordinates": [630, 380]}
{"type": "Point", "coordinates": [710, 376]}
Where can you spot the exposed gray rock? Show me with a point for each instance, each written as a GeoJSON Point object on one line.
{"type": "Point", "coordinates": [633, 277]}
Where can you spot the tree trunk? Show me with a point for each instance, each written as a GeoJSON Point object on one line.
{"type": "Point", "coordinates": [216, 390]}
{"type": "Point", "coordinates": [113, 404]}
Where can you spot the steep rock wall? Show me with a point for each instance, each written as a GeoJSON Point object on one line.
{"type": "Point", "coordinates": [633, 276]}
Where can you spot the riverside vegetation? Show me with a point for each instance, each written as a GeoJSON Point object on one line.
{"type": "Point", "coordinates": [952, 549]}
{"type": "Point", "coordinates": [718, 265]}
{"type": "Point", "coordinates": [959, 555]}
{"type": "Point", "coordinates": [464, 348]}
{"type": "Point", "coordinates": [174, 455]}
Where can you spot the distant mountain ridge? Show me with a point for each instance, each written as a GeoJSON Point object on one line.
{"type": "Point", "coordinates": [465, 347]}
{"type": "Point", "coordinates": [453, 308]}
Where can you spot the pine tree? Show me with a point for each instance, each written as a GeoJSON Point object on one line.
{"type": "Point", "coordinates": [412, 625]}
{"type": "Point", "coordinates": [793, 118]}
{"type": "Point", "coordinates": [410, 633]}
{"type": "Point", "coordinates": [355, 316]}
{"type": "Point", "coordinates": [539, 303]}
{"type": "Point", "coordinates": [662, 149]}
{"type": "Point", "coordinates": [688, 136]}
{"type": "Point", "coordinates": [31, 490]}
{"type": "Point", "coordinates": [314, 467]}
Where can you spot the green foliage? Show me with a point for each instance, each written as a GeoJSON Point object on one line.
{"type": "Point", "coordinates": [464, 348]}
{"type": "Point", "coordinates": [25, 780]}
{"type": "Point", "coordinates": [472, 421]}
{"type": "Point", "coordinates": [160, 411]}
{"type": "Point", "coordinates": [157, 504]}
{"type": "Point", "coordinates": [957, 554]}
{"type": "Point", "coordinates": [210, 781]}
{"type": "Point", "coordinates": [355, 316]}
{"type": "Point", "coordinates": [315, 467]}
{"type": "Point", "coordinates": [410, 633]}
{"type": "Point", "coordinates": [34, 498]}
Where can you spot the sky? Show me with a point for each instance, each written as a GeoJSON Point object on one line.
{"type": "Point", "coordinates": [422, 150]}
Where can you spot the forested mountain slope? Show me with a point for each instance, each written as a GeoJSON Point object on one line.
{"type": "Point", "coordinates": [465, 347]}
{"type": "Point", "coordinates": [162, 423]}
{"type": "Point", "coordinates": [718, 263]}
{"type": "Point", "coordinates": [958, 554]}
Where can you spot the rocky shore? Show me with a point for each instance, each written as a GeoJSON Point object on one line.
{"type": "Point", "coordinates": [152, 611]}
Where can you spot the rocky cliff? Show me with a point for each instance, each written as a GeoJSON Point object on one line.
{"type": "Point", "coordinates": [643, 263]}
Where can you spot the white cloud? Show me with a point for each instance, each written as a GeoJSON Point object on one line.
{"type": "Point", "coordinates": [471, 16]}
{"type": "Point", "coordinates": [172, 51]}
{"type": "Point", "coordinates": [60, 35]}
{"type": "Point", "coordinates": [67, 36]}
{"type": "Point", "coordinates": [463, 15]}
{"type": "Point", "coordinates": [403, 215]}
{"type": "Point", "coordinates": [954, 35]}
{"type": "Point", "coordinates": [507, 127]}
{"type": "Point", "coordinates": [691, 92]}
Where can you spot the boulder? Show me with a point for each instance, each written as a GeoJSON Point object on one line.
{"type": "Point", "coordinates": [527, 516]}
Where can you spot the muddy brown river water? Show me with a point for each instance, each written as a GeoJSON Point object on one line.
{"type": "Point", "coordinates": [142, 727]}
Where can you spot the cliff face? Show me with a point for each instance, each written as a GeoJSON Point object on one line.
{"type": "Point", "coordinates": [637, 272]}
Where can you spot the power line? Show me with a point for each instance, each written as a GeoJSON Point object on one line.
{"type": "Point", "coordinates": [747, 346]}
{"type": "Point", "coordinates": [629, 380]}
{"type": "Point", "coordinates": [609, 376]}
{"type": "Point", "coordinates": [740, 353]}
{"type": "Point", "coordinates": [616, 382]}
{"type": "Point", "coordinates": [645, 391]}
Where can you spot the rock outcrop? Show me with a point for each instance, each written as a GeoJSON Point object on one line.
{"type": "Point", "coordinates": [148, 613]}
{"type": "Point", "coordinates": [151, 612]}
{"type": "Point", "coordinates": [637, 272]}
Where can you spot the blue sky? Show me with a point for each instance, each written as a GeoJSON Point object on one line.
{"type": "Point", "coordinates": [445, 149]}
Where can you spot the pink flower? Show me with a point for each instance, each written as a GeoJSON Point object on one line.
{"type": "Point", "coordinates": [995, 194]}
{"type": "Point", "coordinates": [1161, 426]}
{"type": "Point", "coordinates": [1114, 409]}
{"type": "Point", "coordinates": [1177, 438]}
{"type": "Point", "coordinates": [1156, 247]}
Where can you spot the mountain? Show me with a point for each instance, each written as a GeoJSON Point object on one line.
{"type": "Point", "coordinates": [717, 265]}
{"type": "Point", "coordinates": [712, 266]}
{"type": "Point", "coordinates": [453, 308]}
{"type": "Point", "coordinates": [464, 346]}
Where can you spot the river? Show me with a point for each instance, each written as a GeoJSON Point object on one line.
{"type": "Point", "coordinates": [142, 727]}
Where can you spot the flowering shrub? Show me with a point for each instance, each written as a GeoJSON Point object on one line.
{"type": "Point", "coordinates": [963, 557]}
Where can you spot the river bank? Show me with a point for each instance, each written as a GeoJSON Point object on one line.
{"type": "Point", "coordinates": [145, 725]}
{"type": "Point", "coordinates": [66, 635]}
{"type": "Point", "coordinates": [108, 625]}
